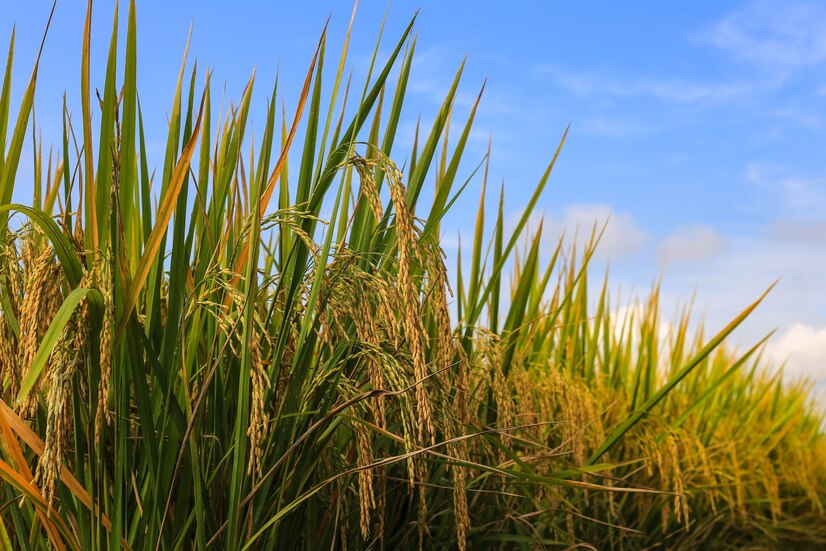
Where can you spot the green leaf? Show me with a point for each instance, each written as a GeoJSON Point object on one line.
{"type": "Point", "coordinates": [638, 414]}
{"type": "Point", "coordinates": [63, 248]}
{"type": "Point", "coordinates": [50, 339]}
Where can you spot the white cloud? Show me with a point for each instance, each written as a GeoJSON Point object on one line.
{"type": "Point", "coordinates": [432, 73]}
{"type": "Point", "coordinates": [803, 349]}
{"type": "Point", "coordinates": [691, 243]}
{"type": "Point", "coordinates": [796, 117]}
{"type": "Point", "coordinates": [774, 33]}
{"type": "Point", "coordinates": [627, 320]}
{"type": "Point", "coordinates": [452, 241]}
{"type": "Point", "coordinates": [670, 90]}
{"type": "Point", "coordinates": [793, 193]}
{"type": "Point", "coordinates": [621, 239]}
{"type": "Point", "coordinates": [614, 127]}
{"type": "Point", "coordinates": [726, 283]}
{"type": "Point", "coordinates": [799, 231]}
{"type": "Point", "coordinates": [725, 275]}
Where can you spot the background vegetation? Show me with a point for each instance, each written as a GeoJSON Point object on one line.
{"type": "Point", "coordinates": [259, 345]}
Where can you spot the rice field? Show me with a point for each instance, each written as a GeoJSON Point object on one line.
{"type": "Point", "coordinates": [261, 344]}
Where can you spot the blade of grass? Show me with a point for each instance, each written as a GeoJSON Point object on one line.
{"type": "Point", "coordinates": [159, 230]}
{"type": "Point", "coordinates": [637, 415]}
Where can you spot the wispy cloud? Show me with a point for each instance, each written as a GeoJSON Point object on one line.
{"type": "Point", "coordinates": [802, 348]}
{"type": "Point", "coordinates": [785, 192]}
{"type": "Point", "coordinates": [799, 231]}
{"type": "Point", "coordinates": [772, 33]}
{"type": "Point", "coordinates": [726, 283]}
{"type": "Point", "coordinates": [432, 72]}
{"type": "Point", "coordinates": [796, 117]}
{"type": "Point", "coordinates": [691, 244]}
{"type": "Point", "coordinates": [621, 239]}
{"type": "Point", "coordinates": [615, 127]}
{"type": "Point", "coordinates": [667, 89]}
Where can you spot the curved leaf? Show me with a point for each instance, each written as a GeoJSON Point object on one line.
{"type": "Point", "coordinates": [63, 249]}
{"type": "Point", "coordinates": [153, 244]}
{"type": "Point", "coordinates": [636, 416]}
{"type": "Point", "coordinates": [18, 482]}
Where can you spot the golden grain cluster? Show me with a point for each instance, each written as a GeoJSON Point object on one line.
{"type": "Point", "coordinates": [198, 358]}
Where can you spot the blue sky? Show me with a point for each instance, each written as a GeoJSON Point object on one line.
{"type": "Point", "coordinates": [698, 127]}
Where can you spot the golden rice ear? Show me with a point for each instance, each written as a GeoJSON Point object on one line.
{"type": "Point", "coordinates": [414, 330]}
{"type": "Point", "coordinates": [739, 505]}
{"type": "Point", "coordinates": [365, 169]}
{"type": "Point", "coordinates": [68, 359]}
{"type": "Point", "coordinates": [259, 418]}
{"type": "Point", "coordinates": [12, 273]}
{"type": "Point", "coordinates": [680, 499]}
{"type": "Point", "coordinates": [106, 287]}
{"type": "Point", "coordinates": [9, 370]}
{"type": "Point", "coordinates": [293, 365]}
{"type": "Point", "coordinates": [367, 498]}
{"type": "Point", "coordinates": [36, 283]}
{"type": "Point", "coordinates": [458, 451]}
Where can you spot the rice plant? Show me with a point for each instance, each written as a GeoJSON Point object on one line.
{"type": "Point", "coordinates": [261, 346]}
